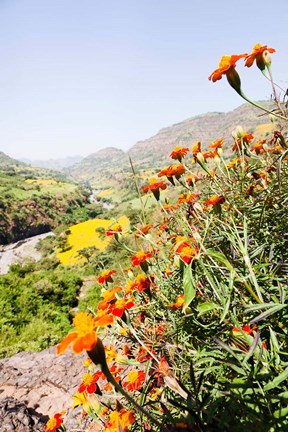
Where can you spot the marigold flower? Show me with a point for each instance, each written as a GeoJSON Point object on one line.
{"type": "Point", "coordinates": [154, 185]}
{"type": "Point", "coordinates": [54, 422]}
{"type": "Point", "coordinates": [244, 140]}
{"type": "Point", "coordinates": [105, 276]}
{"type": "Point", "coordinates": [142, 282]}
{"type": "Point", "coordinates": [89, 405]}
{"type": "Point", "coordinates": [89, 383]}
{"type": "Point", "coordinates": [172, 171]}
{"type": "Point", "coordinates": [120, 420]}
{"type": "Point", "coordinates": [216, 144]}
{"type": "Point", "coordinates": [227, 66]}
{"type": "Point", "coordinates": [179, 302]}
{"type": "Point", "coordinates": [195, 150]}
{"type": "Point", "coordinates": [192, 179]}
{"type": "Point", "coordinates": [118, 308]}
{"type": "Point", "coordinates": [260, 53]}
{"type": "Point", "coordinates": [258, 147]}
{"type": "Point", "coordinates": [140, 257]}
{"type": "Point", "coordinates": [114, 229]}
{"type": "Point", "coordinates": [215, 200]}
{"type": "Point", "coordinates": [185, 250]}
{"type": "Point", "coordinates": [144, 354]}
{"type": "Point", "coordinates": [144, 229]}
{"type": "Point", "coordinates": [135, 380]}
{"type": "Point", "coordinates": [84, 337]}
{"type": "Point", "coordinates": [179, 152]}
{"type": "Point", "coordinates": [108, 296]}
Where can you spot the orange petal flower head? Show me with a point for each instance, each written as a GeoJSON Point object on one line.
{"type": "Point", "coordinates": [135, 380]}
{"type": "Point", "coordinates": [105, 276]}
{"type": "Point", "coordinates": [83, 337]}
{"type": "Point", "coordinates": [114, 230]}
{"type": "Point", "coordinates": [120, 420]}
{"type": "Point", "coordinates": [89, 383]}
{"type": "Point", "coordinates": [227, 66]}
{"type": "Point", "coordinates": [260, 53]}
{"type": "Point", "coordinates": [54, 422]}
{"type": "Point", "coordinates": [140, 257]}
{"type": "Point", "coordinates": [154, 187]}
{"type": "Point", "coordinates": [215, 200]}
{"type": "Point", "coordinates": [179, 152]}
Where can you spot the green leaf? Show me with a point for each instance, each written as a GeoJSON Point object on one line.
{"type": "Point", "coordinates": [281, 412]}
{"type": "Point", "coordinates": [203, 308]}
{"type": "Point", "coordinates": [189, 286]}
{"type": "Point", "coordinates": [269, 312]}
{"type": "Point", "coordinates": [276, 381]}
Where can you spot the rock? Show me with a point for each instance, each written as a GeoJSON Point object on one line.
{"type": "Point", "coordinates": [34, 386]}
{"type": "Point", "coordinates": [15, 416]}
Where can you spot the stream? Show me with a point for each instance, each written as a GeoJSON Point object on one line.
{"type": "Point", "coordinates": [15, 252]}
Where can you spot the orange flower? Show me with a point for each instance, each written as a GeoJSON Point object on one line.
{"type": "Point", "coordinates": [89, 383]}
{"type": "Point", "coordinates": [140, 257]}
{"type": "Point", "coordinates": [120, 420]}
{"type": "Point", "coordinates": [215, 200]}
{"type": "Point", "coordinates": [105, 276]}
{"type": "Point", "coordinates": [227, 66]}
{"type": "Point", "coordinates": [172, 171]}
{"type": "Point", "coordinates": [192, 179]}
{"type": "Point", "coordinates": [260, 53]}
{"type": "Point", "coordinates": [245, 140]}
{"type": "Point", "coordinates": [135, 380]}
{"type": "Point", "coordinates": [143, 354]}
{"type": "Point", "coordinates": [54, 422]}
{"type": "Point", "coordinates": [216, 144]}
{"type": "Point", "coordinates": [144, 230]}
{"type": "Point", "coordinates": [84, 337]}
{"type": "Point", "coordinates": [142, 282]}
{"type": "Point", "coordinates": [258, 147]}
{"type": "Point", "coordinates": [179, 302]}
{"type": "Point", "coordinates": [117, 308]}
{"type": "Point", "coordinates": [179, 152]}
{"type": "Point", "coordinates": [185, 250]}
{"type": "Point", "coordinates": [210, 154]}
{"type": "Point", "coordinates": [155, 186]}
{"type": "Point", "coordinates": [108, 296]}
{"type": "Point", "coordinates": [114, 229]}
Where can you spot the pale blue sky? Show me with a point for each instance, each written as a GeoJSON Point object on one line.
{"type": "Point", "coordinates": [80, 75]}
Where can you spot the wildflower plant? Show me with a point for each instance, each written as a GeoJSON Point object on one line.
{"type": "Point", "coordinates": [193, 337]}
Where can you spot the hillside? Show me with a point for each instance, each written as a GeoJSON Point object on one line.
{"type": "Point", "coordinates": [106, 166]}
{"type": "Point", "coordinates": [35, 200]}
{"type": "Point", "coordinates": [100, 168]}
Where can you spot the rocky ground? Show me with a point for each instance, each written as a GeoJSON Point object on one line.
{"type": "Point", "coordinates": [34, 386]}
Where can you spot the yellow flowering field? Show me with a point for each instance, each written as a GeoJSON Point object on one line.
{"type": "Point", "coordinates": [105, 193]}
{"type": "Point", "coordinates": [43, 182]}
{"type": "Point", "coordinates": [84, 235]}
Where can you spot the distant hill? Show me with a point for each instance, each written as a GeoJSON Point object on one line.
{"type": "Point", "coordinates": [6, 161]}
{"type": "Point", "coordinates": [105, 166]}
{"type": "Point", "coordinates": [57, 164]}
{"type": "Point", "coordinates": [101, 166]}
{"type": "Point", "coordinates": [205, 128]}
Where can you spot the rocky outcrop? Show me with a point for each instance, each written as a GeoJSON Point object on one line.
{"type": "Point", "coordinates": [34, 386]}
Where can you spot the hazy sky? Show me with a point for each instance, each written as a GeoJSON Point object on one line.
{"type": "Point", "coordinates": [80, 75]}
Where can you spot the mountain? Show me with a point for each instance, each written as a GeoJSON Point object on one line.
{"type": "Point", "coordinates": [57, 164]}
{"type": "Point", "coordinates": [106, 166]}
{"type": "Point", "coordinates": [8, 162]}
{"type": "Point", "coordinates": [103, 165]}
{"type": "Point", "coordinates": [205, 128]}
